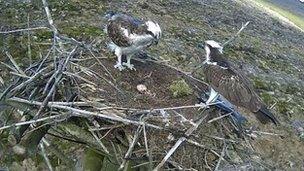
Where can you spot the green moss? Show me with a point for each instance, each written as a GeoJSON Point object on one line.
{"type": "Point", "coordinates": [267, 98]}
{"type": "Point", "coordinates": [282, 107]}
{"type": "Point", "coordinates": [92, 160]}
{"type": "Point", "coordinates": [43, 35]}
{"type": "Point", "coordinates": [80, 31]}
{"type": "Point", "coordinates": [180, 88]}
{"type": "Point", "coordinates": [260, 84]}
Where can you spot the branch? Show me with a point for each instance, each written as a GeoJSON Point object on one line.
{"type": "Point", "coordinates": [179, 142]}
{"type": "Point", "coordinates": [234, 36]}
{"type": "Point", "coordinates": [49, 17]}
{"type": "Point", "coordinates": [15, 63]}
{"type": "Point", "coordinates": [79, 112]}
{"type": "Point", "coordinates": [24, 29]}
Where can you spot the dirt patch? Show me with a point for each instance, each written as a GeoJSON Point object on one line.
{"type": "Point", "coordinates": [156, 77]}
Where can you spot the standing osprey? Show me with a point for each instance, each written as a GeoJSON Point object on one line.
{"type": "Point", "coordinates": [129, 36]}
{"type": "Point", "coordinates": [232, 84]}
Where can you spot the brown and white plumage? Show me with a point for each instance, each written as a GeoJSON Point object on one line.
{"type": "Point", "coordinates": [129, 36]}
{"type": "Point", "coordinates": [232, 84]}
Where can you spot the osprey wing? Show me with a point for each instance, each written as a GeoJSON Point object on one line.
{"type": "Point", "coordinates": [231, 84]}
{"type": "Point", "coordinates": [121, 27]}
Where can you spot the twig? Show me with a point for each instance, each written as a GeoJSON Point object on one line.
{"type": "Point", "coordinates": [58, 76]}
{"type": "Point", "coordinates": [179, 142]}
{"type": "Point", "coordinates": [147, 148]}
{"type": "Point", "coordinates": [221, 157]}
{"type": "Point", "coordinates": [98, 140]}
{"type": "Point", "coordinates": [131, 147]}
{"type": "Point", "coordinates": [46, 158]}
{"type": "Point", "coordinates": [233, 37]}
{"type": "Point", "coordinates": [29, 50]}
{"type": "Point", "coordinates": [49, 17]}
{"type": "Point", "coordinates": [29, 80]}
{"type": "Point", "coordinates": [22, 30]}
{"type": "Point", "coordinates": [32, 121]}
{"type": "Point", "coordinates": [14, 63]}
{"type": "Point", "coordinates": [79, 112]}
{"type": "Point", "coordinates": [202, 146]}
{"type": "Point", "coordinates": [218, 118]}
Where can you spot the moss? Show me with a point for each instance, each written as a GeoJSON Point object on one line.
{"type": "Point", "coordinates": [82, 31]}
{"type": "Point", "coordinates": [260, 84]}
{"type": "Point", "coordinates": [267, 98]}
{"type": "Point", "coordinates": [282, 107]}
{"type": "Point", "coordinates": [180, 88]}
{"type": "Point", "coordinates": [92, 160]}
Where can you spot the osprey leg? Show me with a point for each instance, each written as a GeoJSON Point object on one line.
{"type": "Point", "coordinates": [118, 63]}
{"type": "Point", "coordinates": [128, 63]}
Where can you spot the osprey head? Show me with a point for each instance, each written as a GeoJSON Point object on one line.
{"type": "Point", "coordinates": [154, 30]}
{"type": "Point", "coordinates": [212, 47]}
{"type": "Point", "coordinates": [211, 44]}
{"type": "Point", "coordinates": [109, 14]}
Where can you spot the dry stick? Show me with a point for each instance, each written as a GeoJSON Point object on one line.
{"type": "Point", "coordinates": [218, 118]}
{"type": "Point", "coordinates": [233, 37]}
{"type": "Point", "coordinates": [57, 80]}
{"type": "Point", "coordinates": [100, 63]}
{"type": "Point", "coordinates": [180, 141]}
{"type": "Point", "coordinates": [1, 80]}
{"type": "Point", "coordinates": [202, 146]}
{"type": "Point", "coordinates": [147, 148]}
{"type": "Point", "coordinates": [84, 113]}
{"type": "Point", "coordinates": [49, 17]}
{"type": "Point", "coordinates": [14, 63]}
{"type": "Point", "coordinates": [32, 121]}
{"type": "Point", "coordinates": [29, 40]}
{"type": "Point", "coordinates": [100, 76]}
{"type": "Point", "coordinates": [131, 147]}
{"type": "Point", "coordinates": [28, 81]}
{"type": "Point", "coordinates": [79, 77]}
{"type": "Point", "coordinates": [98, 140]}
{"type": "Point", "coordinates": [44, 59]}
{"type": "Point", "coordinates": [22, 30]}
{"type": "Point", "coordinates": [221, 157]}
{"type": "Point", "coordinates": [9, 67]}
{"type": "Point", "coordinates": [47, 161]}
{"type": "Point", "coordinates": [19, 75]}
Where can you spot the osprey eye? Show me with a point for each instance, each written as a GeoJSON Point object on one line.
{"type": "Point", "coordinates": [150, 33]}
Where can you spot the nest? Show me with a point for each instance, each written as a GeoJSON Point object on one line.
{"type": "Point", "coordinates": [131, 117]}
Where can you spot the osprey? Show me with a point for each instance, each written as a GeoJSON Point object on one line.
{"type": "Point", "coordinates": [232, 84]}
{"type": "Point", "coordinates": [129, 36]}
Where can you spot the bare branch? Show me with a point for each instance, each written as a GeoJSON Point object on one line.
{"type": "Point", "coordinates": [235, 36]}
{"type": "Point", "coordinates": [49, 17]}
{"type": "Point", "coordinates": [14, 63]}
{"type": "Point", "coordinates": [24, 29]}
{"type": "Point", "coordinates": [179, 142]}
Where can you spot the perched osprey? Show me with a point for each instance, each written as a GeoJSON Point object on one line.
{"type": "Point", "coordinates": [129, 36]}
{"type": "Point", "coordinates": [232, 84]}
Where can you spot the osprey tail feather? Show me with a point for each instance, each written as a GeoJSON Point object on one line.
{"type": "Point", "coordinates": [265, 116]}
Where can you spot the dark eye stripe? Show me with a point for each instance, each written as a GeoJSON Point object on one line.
{"type": "Point", "coordinates": [150, 33]}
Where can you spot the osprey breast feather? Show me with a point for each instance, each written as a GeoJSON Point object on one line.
{"type": "Point", "coordinates": [129, 36]}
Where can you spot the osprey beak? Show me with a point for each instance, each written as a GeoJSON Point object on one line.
{"type": "Point", "coordinates": [156, 41]}
{"type": "Point", "coordinates": [221, 50]}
